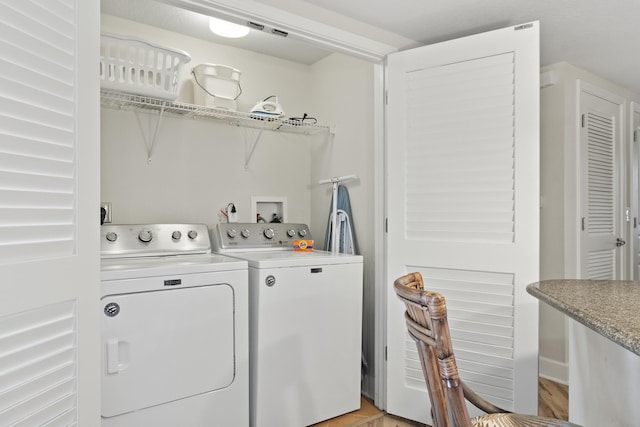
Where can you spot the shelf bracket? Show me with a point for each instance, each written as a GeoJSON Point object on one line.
{"type": "Point", "coordinates": [150, 145]}
{"type": "Point", "coordinates": [120, 100]}
{"type": "Point", "coordinates": [249, 153]}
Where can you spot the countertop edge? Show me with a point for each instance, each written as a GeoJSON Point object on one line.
{"type": "Point", "coordinates": [616, 335]}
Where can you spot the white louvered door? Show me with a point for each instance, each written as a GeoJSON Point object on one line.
{"type": "Point", "coordinates": [634, 233]}
{"type": "Point", "coordinates": [49, 199]}
{"type": "Point", "coordinates": [601, 223]}
{"type": "Point", "coordinates": [463, 194]}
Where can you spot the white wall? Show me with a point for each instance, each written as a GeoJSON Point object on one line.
{"type": "Point", "coordinates": [342, 93]}
{"type": "Point", "coordinates": [559, 191]}
{"type": "Point", "coordinates": [553, 344]}
{"type": "Point", "coordinates": [197, 165]}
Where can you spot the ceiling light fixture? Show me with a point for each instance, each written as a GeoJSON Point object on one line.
{"type": "Point", "coordinates": [227, 29]}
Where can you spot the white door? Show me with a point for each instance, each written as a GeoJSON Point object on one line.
{"type": "Point", "coordinates": [601, 223]}
{"type": "Point", "coordinates": [49, 200]}
{"type": "Point", "coordinates": [155, 354]}
{"type": "Point", "coordinates": [634, 234]}
{"type": "Point", "coordinates": [463, 200]}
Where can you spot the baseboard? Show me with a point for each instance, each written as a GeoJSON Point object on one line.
{"type": "Point", "coordinates": [553, 370]}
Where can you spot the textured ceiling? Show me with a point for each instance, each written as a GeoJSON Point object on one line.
{"type": "Point", "coordinates": [193, 24]}
{"type": "Point", "coordinates": [595, 35]}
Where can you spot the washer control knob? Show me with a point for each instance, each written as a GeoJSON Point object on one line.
{"type": "Point", "coordinates": [291, 232]}
{"type": "Point", "coordinates": [176, 235]}
{"type": "Point", "coordinates": [245, 233]}
{"type": "Point", "coordinates": [302, 232]}
{"type": "Point", "coordinates": [111, 236]}
{"type": "Point", "coordinates": [269, 233]}
{"type": "Point", "coordinates": [232, 233]}
{"type": "Point", "coordinates": [192, 234]}
{"type": "Point", "coordinates": [145, 236]}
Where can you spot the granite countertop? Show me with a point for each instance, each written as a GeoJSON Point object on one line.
{"type": "Point", "coordinates": [609, 307]}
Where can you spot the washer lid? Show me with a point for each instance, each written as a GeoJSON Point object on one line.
{"type": "Point", "coordinates": [279, 259]}
{"type": "Point", "coordinates": [132, 268]}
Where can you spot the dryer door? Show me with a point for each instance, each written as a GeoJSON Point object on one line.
{"type": "Point", "coordinates": [165, 345]}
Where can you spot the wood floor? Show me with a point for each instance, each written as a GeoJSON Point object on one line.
{"type": "Point", "coordinates": [553, 401]}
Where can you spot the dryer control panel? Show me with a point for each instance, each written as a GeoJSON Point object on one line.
{"type": "Point", "coordinates": [257, 236]}
{"type": "Point", "coordinates": [135, 240]}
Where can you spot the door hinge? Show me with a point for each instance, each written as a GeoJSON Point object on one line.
{"type": "Point", "coordinates": [386, 97]}
{"type": "Point", "coordinates": [385, 353]}
{"type": "Point", "coordinates": [582, 120]}
{"type": "Point", "coordinates": [523, 27]}
{"type": "Point", "coordinates": [582, 225]}
{"type": "Point", "coordinates": [386, 225]}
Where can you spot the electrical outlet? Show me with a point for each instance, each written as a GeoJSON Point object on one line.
{"type": "Point", "coordinates": [107, 207]}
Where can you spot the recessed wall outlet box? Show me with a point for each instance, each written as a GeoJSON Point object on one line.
{"type": "Point", "coordinates": [269, 208]}
{"type": "Point", "coordinates": [107, 211]}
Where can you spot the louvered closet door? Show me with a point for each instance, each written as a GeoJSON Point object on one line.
{"type": "Point", "coordinates": [601, 195]}
{"type": "Point", "coordinates": [49, 199]}
{"type": "Point", "coordinates": [463, 172]}
{"type": "Point", "coordinates": [634, 232]}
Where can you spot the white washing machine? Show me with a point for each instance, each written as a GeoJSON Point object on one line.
{"type": "Point", "coordinates": [174, 329]}
{"type": "Point", "coordinates": [305, 311]}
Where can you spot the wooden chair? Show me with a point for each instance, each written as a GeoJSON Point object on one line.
{"type": "Point", "coordinates": [426, 318]}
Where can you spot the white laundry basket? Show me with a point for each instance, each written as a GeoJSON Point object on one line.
{"type": "Point", "coordinates": [216, 86]}
{"type": "Point", "coordinates": [132, 65]}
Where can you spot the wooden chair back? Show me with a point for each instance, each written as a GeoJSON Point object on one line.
{"type": "Point", "coordinates": [426, 317]}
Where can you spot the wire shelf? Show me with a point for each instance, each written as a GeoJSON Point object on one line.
{"type": "Point", "coordinates": [120, 100]}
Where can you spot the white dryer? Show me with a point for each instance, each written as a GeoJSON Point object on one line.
{"type": "Point", "coordinates": [305, 324]}
{"type": "Point", "coordinates": [174, 329]}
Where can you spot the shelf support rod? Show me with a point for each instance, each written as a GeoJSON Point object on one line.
{"type": "Point", "coordinates": [155, 132]}
{"type": "Point", "coordinates": [248, 156]}
{"type": "Point", "coordinates": [149, 144]}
